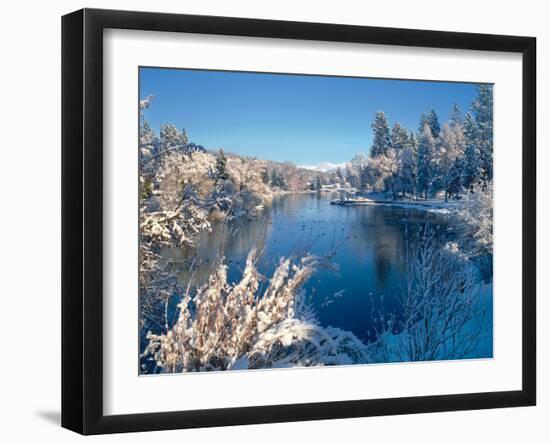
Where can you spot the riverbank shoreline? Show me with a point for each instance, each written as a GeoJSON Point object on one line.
{"type": "Point", "coordinates": [432, 205]}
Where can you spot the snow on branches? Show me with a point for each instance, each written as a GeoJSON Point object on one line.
{"type": "Point", "coordinates": [442, 314]}
{"type": "Point", "coordinates": [241, 326]}
{"type": "Point", "coordinates": [475, 211]}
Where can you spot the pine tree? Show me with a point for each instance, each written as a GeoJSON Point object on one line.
{"type": "Point", "coordinates": [471, 164]}
{"type": "Point", "coordinates": [407, 169]}
{"type": "Point", "coordinates": [171, 137]}
{"type": "Point", "coordinates": [451, 148]}
{"type": "Point", "coordinates": [433, 123]}
{"type": "Point", "coordinates": [454, 187]}
{"type": "Point", "coordinates": [184, 138]}
{"type": "Point", "coordinates": [318, 183]}
{"type": "Point", "coordinates": [274, 178]}
{"type": "Point", "coordinates": [413, 142]}
{"type": "Point", "coordinates": [147, 136]}
{"type": "Point", "coordinates": [220, 169]}
{"type": "Point", "coordinates": [423, 121]}
{"type": "Point", "coordinates": [364, 178]}
{"type": "Point", "coordinates": [265, 176]}
{"type": "Point", "coordinates": [482, 108]}
{"type": "Point", "coordinates": [399, 137]}
{"type": "Point", "coordinates": [457, 119]}
{"type": "Point", "coordinates": [425, 160]}
{"type": "Point", "coordinates": [381, 139]}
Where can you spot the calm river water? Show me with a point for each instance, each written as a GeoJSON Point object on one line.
{"type": "Point", "coordinates": [368, 242]}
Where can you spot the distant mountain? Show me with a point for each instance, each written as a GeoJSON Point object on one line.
{"type": "Point", "coordinates": [324, 166]}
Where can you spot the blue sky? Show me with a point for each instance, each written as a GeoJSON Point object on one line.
{"type": "Point", "coordinates": [303, 119]}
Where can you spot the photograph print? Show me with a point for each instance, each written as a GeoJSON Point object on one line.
{"type": "Point", "coordinates": [291, 221]}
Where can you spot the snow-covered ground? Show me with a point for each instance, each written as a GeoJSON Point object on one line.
{"type": "Point", "coordinates": [379, 198]}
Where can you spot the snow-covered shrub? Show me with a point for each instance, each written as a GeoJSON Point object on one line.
{"type": "Point", "coordinates": [158, 287]}
{"type": "Point", "coordinates": [177, 227]}
{"type": "Point", "coordinates": [441, 313]}
{"type": "Point", "coordinates": [476, 211]}
{"type": "Point", "coordinates": [243, 325]}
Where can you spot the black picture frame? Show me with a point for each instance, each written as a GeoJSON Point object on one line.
{"type": "Point", "coordinates": [82, 218]}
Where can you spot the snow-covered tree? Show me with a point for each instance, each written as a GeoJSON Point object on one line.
{"type": "Point", "coordinates": [432, 121]}
{"type": "Point", "coordinates": [145, 103]}
{"type": "Point", "coordinates": [441, 314]}
{"type": "Point", "coordinates": [408, 169]}
{"type": "Point", "coordinates": [147, 136]}
{"type": "Point", "coordinates": [170, 136]}
{"type": "Point", "coordinates": [482, 109]}
{"type": "Point", "coordinates": [352, 176]}
{"type": "Point", "coordinates": [359, 159]}
{"type": "Point", "coordinates": [381, 135]}
{"type": "Point", "coordinates": [476, 212]}
{"type": "Point", "coordinates": [219, 172]}
{"type": "Point", "coordinates": [451, 148]}
{"type": "Point", "coordinates": [399, 137]}
{"type": "Point", "coordinates": [265, 176]}
{"type": "Point", "coordinates": [425, 161]}
{"type": "Point", "coordinates": [472, 166]}
{"type": "Point", "coordinates": [388, 166]}
{"type": "Point", "coordinates": [365, 178]}
{"type": "Point", "coordinates": [456, 117]}
{"type": "Point", "coordinates": [318, 183]}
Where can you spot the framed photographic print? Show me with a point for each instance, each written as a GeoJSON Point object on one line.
{"type": "Point", "coordinates": [269, 221]}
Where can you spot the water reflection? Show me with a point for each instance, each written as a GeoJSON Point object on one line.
{"type": "Point", "coordinates": [368, 242]}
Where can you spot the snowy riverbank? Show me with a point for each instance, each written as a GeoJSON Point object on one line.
{"type": "Point", "coordinates": [379, 198]}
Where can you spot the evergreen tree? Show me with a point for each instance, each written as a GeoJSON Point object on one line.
{"type": "Point", "coordinates": [482, 108]}
{"type": "Point", "coordinates": [433, 123]}
{"type": "Point", "coordinates": [278, 179]}
{"type": "Point", "coordinates": [220, 169]}
{"type": "Point", "coordinates": [184, 138]}
{"type": "Point", "coordinates": [364, 178]}
{"type": "Point", "coordinates": [381, 139]}
{"type": "Point", "coordinates": [454, 187]}
{"type": "Point", "coordinates": [423, 121]}
{"type": "Point", "coordinates": [171, 137]}
{"type": "Point", "coordinates": [274, 178]}
{"type": "Point", "coordinates": [425, 160]}
{"type": "Point", "coordinates": [265, 176]}
{"type": "Point", "coordinates": [413, 143]}
{"type": "Point", "coordinates": [318, 183]}
{"type": "Point", "coordinates": [451, 148]}
{"type": "Point", "coordinates": [457, 119]}
{"type": "Point", "coordinates": [399, 137]}
{"type": "Point", "coordinates": [147, 137]}
{"type": "Point", "coordinates": [471, 163]}
{"type": "Point", "coordinates": [407, 169]}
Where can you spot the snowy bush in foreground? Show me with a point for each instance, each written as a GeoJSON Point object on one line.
{"type": "Point", "coordinates": [243, 326]}
{"type": "Point", "coordinates": [442, 312]}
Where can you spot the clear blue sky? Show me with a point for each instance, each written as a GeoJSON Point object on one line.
{"type": "Point", "coordinates": [303, 119]}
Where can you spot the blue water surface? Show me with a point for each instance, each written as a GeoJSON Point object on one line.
{"type": "Point", "coordinates": [367, 242]}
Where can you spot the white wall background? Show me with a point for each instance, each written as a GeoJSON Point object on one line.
{"type": "Point", "coordinates": [30, 219]}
